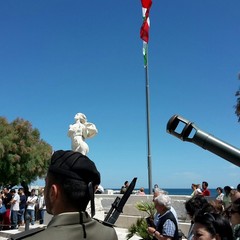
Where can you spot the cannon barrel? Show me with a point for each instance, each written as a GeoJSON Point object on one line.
{"type": "Point", "coordinates": [188, 131]}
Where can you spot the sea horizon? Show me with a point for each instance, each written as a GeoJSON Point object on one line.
{"type": "Point", "coordinates": [173, 191]}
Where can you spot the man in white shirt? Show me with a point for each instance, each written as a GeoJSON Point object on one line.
{"type": "Point", "coordinates": [41, 205]}
{"type": "Point", "coordinates": [14, 208]}
{"type": "Point", "coordinates": [31, 202]}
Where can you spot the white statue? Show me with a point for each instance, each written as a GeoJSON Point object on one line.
{"type": "Point", "coordinates": [79, 131]}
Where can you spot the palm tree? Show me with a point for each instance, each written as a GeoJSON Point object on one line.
{"type": "Point", "coordinates": [140, 227]}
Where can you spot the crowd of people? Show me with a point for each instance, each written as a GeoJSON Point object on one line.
{"type": "Point", "coordinates": [16, 207]}
{"type": "Point", "coordinates": [215, 218]}
{"type": "Point", "coordinates": [71, 181]}
{"type": "Point", "coordinates": [197, 190]}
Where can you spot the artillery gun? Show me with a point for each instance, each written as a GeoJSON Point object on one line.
{"type": "Point", "coordinates": [191, 133]}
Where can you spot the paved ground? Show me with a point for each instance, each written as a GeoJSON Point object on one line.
{"type": "Point", "coordinates": [121, 232]}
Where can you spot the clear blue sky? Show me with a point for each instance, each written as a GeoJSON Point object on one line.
{"type": "Point", "coordinates": [60, 57]}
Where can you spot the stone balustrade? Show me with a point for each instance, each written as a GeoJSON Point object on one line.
{"type": "Point", "coordinates": [130, 213]}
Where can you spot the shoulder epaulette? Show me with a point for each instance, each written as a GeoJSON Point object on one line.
{"type": "Point", "coordinates": [25, 234]}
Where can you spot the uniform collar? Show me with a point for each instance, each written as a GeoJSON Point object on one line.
{"type": "Point", "coordinates": [69, 218]}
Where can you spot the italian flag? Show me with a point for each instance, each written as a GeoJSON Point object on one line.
{"type": "Point", "coordinates": [144, 31]}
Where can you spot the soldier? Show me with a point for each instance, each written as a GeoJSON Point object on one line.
{"type": "Point", "coordinates": [70, 184]}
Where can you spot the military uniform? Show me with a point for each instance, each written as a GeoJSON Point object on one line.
{"type": "Point", "coordinates": [71, 168]}
{"type": "Point", "coordinates": [75, 226]}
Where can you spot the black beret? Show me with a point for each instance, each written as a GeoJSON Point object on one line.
{"type": "Point", "coordinates": [74, 165]}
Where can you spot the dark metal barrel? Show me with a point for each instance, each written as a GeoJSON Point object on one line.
{"type": "Point", "coordinates": [191, 133]}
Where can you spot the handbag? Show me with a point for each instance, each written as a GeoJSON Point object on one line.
{"type": "Point", "coordinates": [3, 209]}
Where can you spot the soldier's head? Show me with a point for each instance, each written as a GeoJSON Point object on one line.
{"type": "Point", "coordinates": [70, 183]}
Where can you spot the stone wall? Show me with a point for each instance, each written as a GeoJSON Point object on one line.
{"type": "Point", "coordinates": [130, 213]}
{"type": "Point", "coordinates": [130, 209]}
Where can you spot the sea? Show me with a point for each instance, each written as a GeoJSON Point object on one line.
{"type": "Point", "coordinates": [176, 191]}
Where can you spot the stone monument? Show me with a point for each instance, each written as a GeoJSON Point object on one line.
{"type": "Point", "coordinates": [79, 131]}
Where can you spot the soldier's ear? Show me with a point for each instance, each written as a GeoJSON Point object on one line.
{"type": "Point", "coordinates": [54, 192]}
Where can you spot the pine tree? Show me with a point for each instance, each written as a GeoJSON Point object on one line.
{"type": "Point", "coordinates": [23, 155]}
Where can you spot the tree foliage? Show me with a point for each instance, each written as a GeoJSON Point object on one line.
{"type": "Point", "coordinates": [237, 106]}
{"type": "Point", "coordinates": [140, 227]}
{"type": "Point", "coordinates": [23, 155]}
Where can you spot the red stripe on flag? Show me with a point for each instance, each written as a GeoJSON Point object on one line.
{"type": "Point", "coordinates": [144, 32]}
{"type": "Point", "coordinates": [146, 3]}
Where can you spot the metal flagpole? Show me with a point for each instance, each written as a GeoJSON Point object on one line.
{"type": "Point", "coordinates": [146, 5]}
{"type": "Point", "coordinates": [149, 157]}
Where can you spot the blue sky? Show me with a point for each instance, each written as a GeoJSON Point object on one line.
{"type": "Point", "coordinates": [61, 57]}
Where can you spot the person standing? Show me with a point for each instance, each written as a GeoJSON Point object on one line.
{"type": "Point", "coordinates": [99, 189]}
{"type": "Point", "coordinates": [14, 208]}
{"type": "Point", "coordinates": [31, 203]}
{"type": "Point", "coordinates": [194, 205]}
{"type": "Point", "coordinates": [124, 187]}
{"type": "Point", "coordinates": [167, 227]}
{"type": "Point", "coordinates": [227, 197]}
{"type": "Point", "coordinates": [22, 206]}
{"type": "Point", "coordinates": [235, 193]}
{"type": "Point", "coordinates": [2, 211]}
{"type": "Point", "coordinates": [234, 215]}
{"type": "Point", "coordinates": [41, 205]}
{"type": "Point", "coordinates": [157, 192]}
{"type": "Point", "coordinates": [7, 197]}
{"type": "Point", "coordinates": [212, 226]}
{"type": "Point", "coordinates": [238, 188]}
{"type": "Point", "coordinates": [205, 190]}
{"type": "Point", "coordinates": [220, 194]}
{"type": "Point", "coordinates": [141, 192]}
{"type": "Point", "coordinates": [196, 190]}
{"type": "Point", "coordinates": [71, 181]}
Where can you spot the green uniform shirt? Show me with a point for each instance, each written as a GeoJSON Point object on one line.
{"type": "Point", "coordinates": [75, 226]}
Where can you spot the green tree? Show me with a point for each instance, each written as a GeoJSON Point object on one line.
{"type": "Point", "coordinates": [23, 155]}
{"type": "Point", "coordinates": [237, 106]}
{"type": "Point", "coordinates": [140, 227]}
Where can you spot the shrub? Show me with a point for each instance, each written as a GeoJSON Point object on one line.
{"type": "Point", "coordinates": [140, 227]}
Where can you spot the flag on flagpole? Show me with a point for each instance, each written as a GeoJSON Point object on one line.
{"type": "Point", "coordinates": [144, 31]}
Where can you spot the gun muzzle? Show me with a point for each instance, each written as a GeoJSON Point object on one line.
{"type": "Point", "coordinates": [187, 131]}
